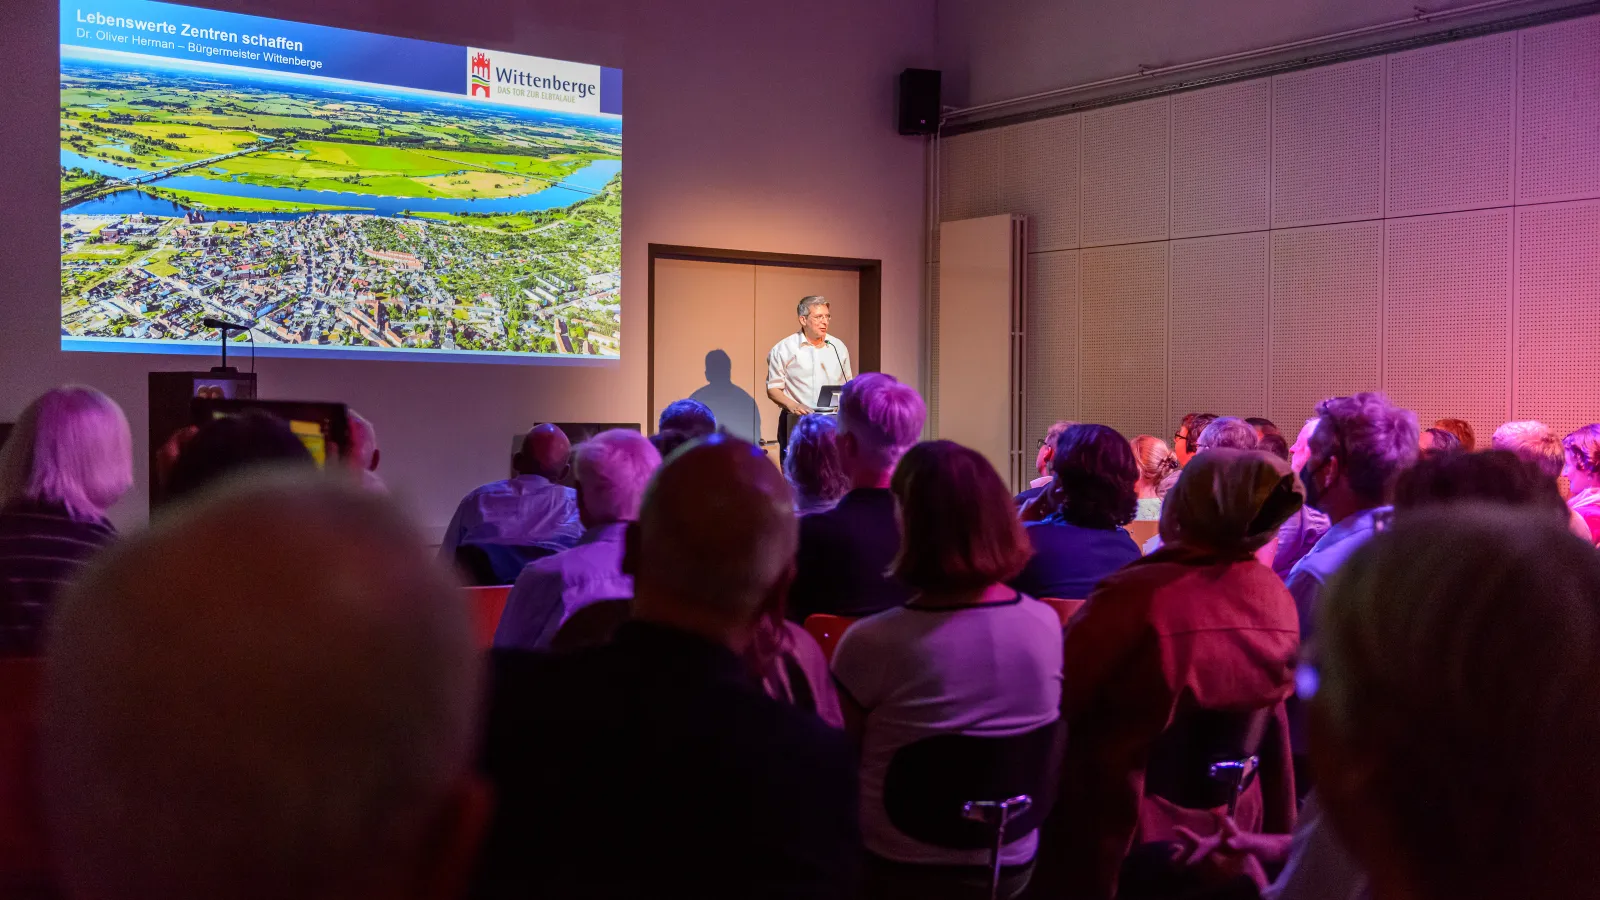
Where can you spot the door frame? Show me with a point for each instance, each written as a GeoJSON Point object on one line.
{"type": "Point", "coordinates": [869, 301]}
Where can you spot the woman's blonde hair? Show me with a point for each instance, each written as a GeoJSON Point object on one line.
{"type": "Point", "coordinates": [71, 447]}
{"type": "Point", "coordinates": [1155, 459]}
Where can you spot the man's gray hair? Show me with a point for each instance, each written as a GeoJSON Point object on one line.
{"type": "Point", "coordinates": [613, 469]}
{"type": "Point", "coordinates": [1228, 432]}
{"type": "Point", "coordinates": [280, 716]}
{"type": "Point", "coordinates": [1373, 439]}
{"type": "Point", "coordinates": [807, 304]}
{"type": "Point", "coordinates": [71, 447]}
{"type": "Point", "coordinates": [1459, 663]}
{"type": "Point", "coordinates": [883, 415]}
{"type": "Point", "coordinates": [1533, 442]}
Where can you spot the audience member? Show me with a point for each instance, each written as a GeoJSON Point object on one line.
{"type": "Point", "coordinates": [288, 715]}
{"type": "Point", "coordinates": [1093, 496]}
{"type": "Point", "coordinates": [67, 460]}
{"type": "Point", "coordinates": [691, 417]}
{"type": "Point", "coordinates": [612, 470]}
{"type": "Point", "coordinates": [1306, 527]}
{"type": "Point", "coordinates": [1492, 476]}
{"type": "Point", "coordinates": [666, 442]}
{"type": "Point", "coordinates": [655, 765]}
{"type": "Point", "coordinates": [1042, 462]}
{"type": "Point", "coordinates": [530, 509]}
{"type": "Point", "coordinates": [1186, 441]}
{"type": "Point", "coordinates": [1275, 445]}
{"type": "Point", "coordinates": [1462, 429]}
{"type": "Point", "coordinates": [1197, 627]}
{"type": "Point", "coordinates": [790, 664]}
{"type": "Point", "coordinates": [1157, 463]}
{"type": "Point", "coordinates": [967, 655]}
{"type": "Point", "coordinates": [1358, 449]}
{"type": "Point", "coordinates": [1263, 427]}
{"type": "Point", "coordinates": [1227, 433]}
{"type": "Point", "coordinates": [845, 552]}
{"type": "Point", "coordinates": [361, 452]}
{"type": "Point", "coordinates": [1360, 446]}
{"type": "Point", "coordinates": [1537, 443]}
{"type": "Point", "coordinates": [1534, 442]}
{"type": "Point", "coordinates": [1582, 471]}
{"type": "Point", "coordinates": [1458, 657]}
{"type": "Point", "coordinates": [1437, 442]}
{"type": "Point", "coordinates": [230, 445]}
{"type": "Point", "coordinates": [812, 465]}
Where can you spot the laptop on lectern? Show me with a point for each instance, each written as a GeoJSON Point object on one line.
{"type": "Point", "coordinates": [828, 398]}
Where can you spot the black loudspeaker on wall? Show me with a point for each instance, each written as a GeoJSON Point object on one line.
{"type": "Point", "coordinates": [919, 101]}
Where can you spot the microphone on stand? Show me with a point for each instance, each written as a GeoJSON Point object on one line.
{"type": "Point", "coordinates": [225, 326]}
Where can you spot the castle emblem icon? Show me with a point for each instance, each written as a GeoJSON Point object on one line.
{"type": "Point", "coordinates": [480, 76]}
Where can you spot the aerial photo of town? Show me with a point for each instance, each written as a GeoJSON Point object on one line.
{"type": "Point", "coordinates": [333, 216]}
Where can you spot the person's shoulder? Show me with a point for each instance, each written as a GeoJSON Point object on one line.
{"type": "Point", "coordinates": [492, 487]}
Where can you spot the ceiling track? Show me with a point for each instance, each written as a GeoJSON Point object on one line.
{"type": "Point", "coordinates": [958, 121]}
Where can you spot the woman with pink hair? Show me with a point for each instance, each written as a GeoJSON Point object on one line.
{"type": "Point", "coordinates": [1582, 449]}
{"type": "Point", "coordinates": [68, 459]}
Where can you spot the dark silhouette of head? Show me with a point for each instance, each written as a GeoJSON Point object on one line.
{"type": "Point", "coordinates": [233, 444]}
{"type": "Point", "coordinates": [719, 368]}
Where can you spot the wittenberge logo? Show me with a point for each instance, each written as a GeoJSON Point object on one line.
{"type": "Point", "coordinates": [480, 75]}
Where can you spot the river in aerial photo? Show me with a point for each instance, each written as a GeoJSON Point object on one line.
{"type": "Point", "coordinates": [580, 185]}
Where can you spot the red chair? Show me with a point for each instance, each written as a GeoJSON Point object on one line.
{"type": "Point", "coordinates": [827, 630]}
{"type": "Point", "coordinates": [1064, 608]}
{"type": "Point", "coordinates": [487, 605]}
{"type": "Point", "coordinates": [24, 865]}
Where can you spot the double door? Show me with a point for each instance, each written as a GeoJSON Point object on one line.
{"type": "Point", "coordinates": [715, 323]}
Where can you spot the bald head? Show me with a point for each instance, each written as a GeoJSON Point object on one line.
{"type": "Point", "coordinates": [271, 693]}
{"type": "Point", "coordinates": [363, 443]}
{"type": "Point", "coordinates": [545, 450]}
{"type": "Point", "coordinates": [716, 536]}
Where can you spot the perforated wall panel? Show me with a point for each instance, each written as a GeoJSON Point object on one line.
{"type": "Point", "coordinates": [1327, 144]}
{"type": "Point", "coordinates": [1123, 346]}
{"type": "Point", "coordinates": [1221, 159]}
{"type": "Point", "coordinates": [1327, 301]}
{"type": "Point", "coordinates": [1218, 334]}
{"type": "Point", "coordinates": [1039, 167]}
{"type": "Point", "coordinates": [970, 179]}
{"type": "Point", "coordinates": [1125, 173]}
{"type": "Point", "coordinates": [932, 397]}
{"type": "Point", "coordinates": [1450, 136]}
{"type": "Point", "coordinates": [1558, 315]}
{"type": "Point", "coordinates": [1052, 340]}
{"type": "Point", "coordinates": [1560, 108]}
{"type": "Point", "coordinates": [1447, 347]}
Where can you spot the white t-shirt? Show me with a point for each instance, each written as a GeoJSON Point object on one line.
{"type": "Point", "coordinates": [803, 369]}
{"type": "Point", "coordinates": [992, 669]}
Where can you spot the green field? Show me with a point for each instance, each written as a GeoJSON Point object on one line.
{"type": "Point", "coordinates": [227, 202]}
{"type": "Point", "coordinates": [158, 263]}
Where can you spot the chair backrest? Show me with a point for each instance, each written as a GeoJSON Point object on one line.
{"type": "Point", "coordinates": [930, 782]}
{"type": "Point", "coordinates": [1180, 765]}
{"type": "Point", "coordinates": [487, 605]}
{"type": "Point", "coordinates": [496, 564]}
{"type": "Point", "coordinates": [24, 867]}
{"type": "Point", "coordinates": [1064, 608]}
{"type": "Point", "coordinates": [1142, 530]}
{"type": "Point", "coordinates": [827, 630]}
{"type": "Point", "coordinates": [592, 625]}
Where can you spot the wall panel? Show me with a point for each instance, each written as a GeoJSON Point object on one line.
{"type": "Point", "coordinates": [1122, 343]}
{"type": "Point", "coordinates": [1052, 341]}
{"type": "Point", "coordinates": [1125, 173]}
{"type": "Point", "coordinates": [1558, 314]}
{"type": "Point", "coordinates": [1327, 144]}
{"type": "Point", "coordinates": [1221, 159]}
{"type": "Point", "coordinates": [1039, 168]}
{"type": "Point", "coordinates": [1218, 335]}
{"type": "Point", "coordinates": [1447, 348]}
{"type": "Point", "coordinates": [1327, 300]}
{"type": "Point", "coordinates": [1560, 107]}
{"type": "Point", "coordinates": [1451, 115]}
